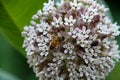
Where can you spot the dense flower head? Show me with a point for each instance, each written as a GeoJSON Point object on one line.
{"type": "Point", "coordinates": [71, 40]}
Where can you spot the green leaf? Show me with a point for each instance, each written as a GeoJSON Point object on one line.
{"type": "Point", "coordinates": [9, 29]}
{"type": "Point", "coordinates": [115, 74]}
{"type": "Point", "coordinates": [14, 14]}
{"type": "Point", "coordinates": [6, 76]}
{"type": "Point", "coordinates": [13, 62]}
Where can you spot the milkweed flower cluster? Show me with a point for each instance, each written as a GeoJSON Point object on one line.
{"type": "Point", "coordinates": [71, 40]}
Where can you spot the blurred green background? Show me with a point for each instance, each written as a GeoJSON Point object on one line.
{"type": "Point", "coordinates": [13, 65]}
